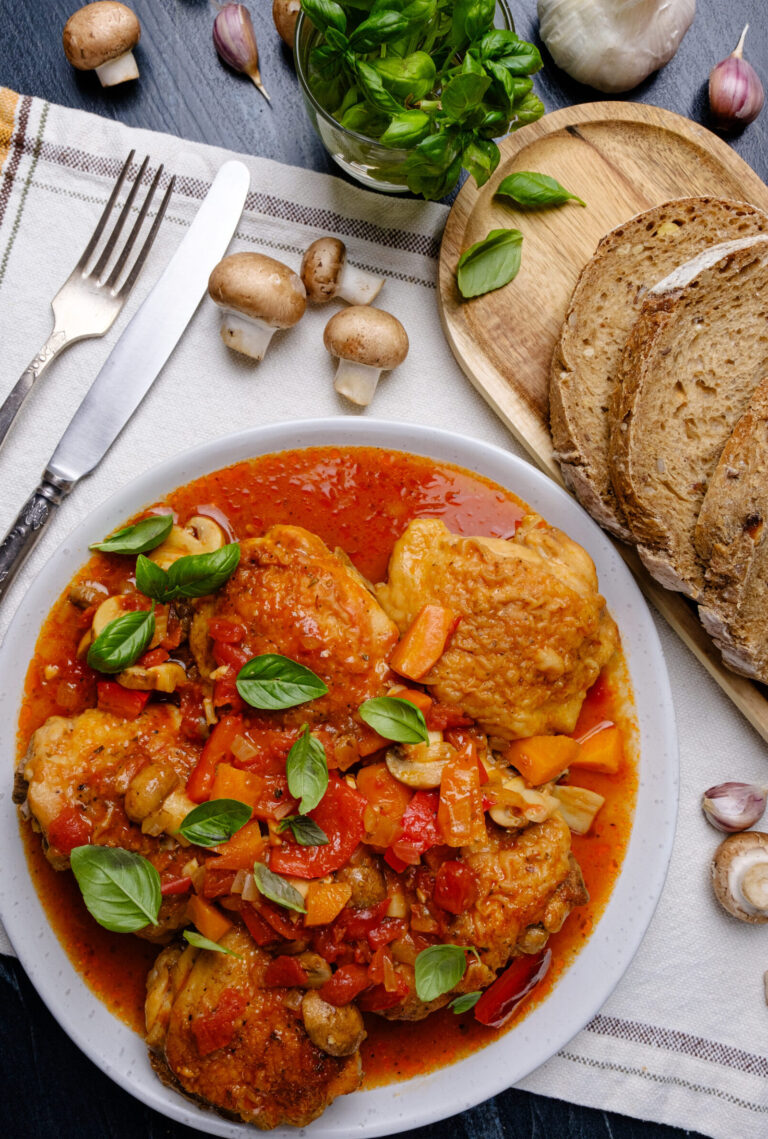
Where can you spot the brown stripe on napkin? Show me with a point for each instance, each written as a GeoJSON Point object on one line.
{"type": "Point", "coordinates": [11, 141]}
{"type": "Point", "coordinates": [681, 1042]}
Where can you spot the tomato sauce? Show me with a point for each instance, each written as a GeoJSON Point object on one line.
{"type": "Point", "coordinates": [361, 499]}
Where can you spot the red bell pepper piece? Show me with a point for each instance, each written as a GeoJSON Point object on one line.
{"type": "Point", "coordinates": [455, 887]}
{"type": "Point", "coordinates": [346, 983]}
{"type": "Point", "coordinates": [285, 972]}
{"type": "Point", "coordinates": [340, 815]}
{"type": "Point", "coordinates": [125, 702]}
{"type": "Point", "coordinates": [69, 829]}
{"type": "Point", "coordinates": [176, 886]}
{"type": "Point", "coordinates": [153, 658]}
{"type": "Point", "coordinates": [420, 829]}
{"type": "Point", "coordinates": [261, 932]}
{"type": "Point", "coordinates": [501, 1000]}
{"type": "Point", "coordinates": [357, 924]}
{"type": "Point", "coordinates": [217, 747]}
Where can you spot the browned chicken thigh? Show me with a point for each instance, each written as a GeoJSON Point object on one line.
{"type": "Point", "coordinates": [217, 1034]}
{"type": "Point", "coordinates": [534, 632]}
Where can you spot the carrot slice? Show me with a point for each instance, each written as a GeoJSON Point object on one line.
{"type": "Point", "coordinates": [424, 642]}
{"type": "Point", "coordinates": [602, 751]}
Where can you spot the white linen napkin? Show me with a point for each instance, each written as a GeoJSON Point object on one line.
{"type": "Point", "coordinates": [683, 1038]}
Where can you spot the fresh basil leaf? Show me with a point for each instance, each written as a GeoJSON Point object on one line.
{"type": "Point", "coordinates": [490, 263]}
{"type": "Point", "coordinates": [516, 55]}
{"type": "Point", "coordinates": [199, 942]}
{"type": "Point", "coordinates": [379, 28]}
{"type": "Point", "coordinates": [139, 538]}
{"type": "Point", "coordinates": [197, 575]}
{"type": "Point", "coordinates": [151, 580]}
{"type": "Point", "coordinates": [439, 969]}
{"type": "Point", "coordinates": [365, 119]}
{"type": "Point", "coordinates": [325, 14]}
{"type": "Point", "coordinates": [464, 1002]}
{"type": "Point", "coordinates": [123, 641]}
{"type": "Point", "coordinates": [214, 822]}
{"type": "Point", "coordinates": [463, 94]}
{"type": "Point", "coordinates": [275, 888]}
{"type": "Point", "coordinates": [121, 890]}
{"type": "Point", "coordinates": [304, 830]}
{"type": "Point", "coordinates": [481, 157]}
{"type": "Point", "coordinates": [272, 682]}
{"type": "Point", "coordinates": [395, 719]}
{"type": "Point", "coordinates": [507, 88]}
{"type": "Point", "coordinates": [528, 188]}
{"type": "Point", "coordinates": [373, 89]}
{"type": "Point", "coordinates": [412, 76]}
{"type": "Point", "coordinates": [326, 61]}
{"type": "Point", "coordinates": [433, 167]}
{"type": "Point", "coordinates": [406, 129]}
{"type": "Point", "coordinates": [337, 41]}
{"type": "Point", "coordinates": [307, 771]}
{"type": "Point", "coordinates": [479, 18]}
{"type": "Point", "coordinates": [528, 110]}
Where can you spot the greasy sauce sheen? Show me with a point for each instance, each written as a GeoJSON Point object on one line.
{"type": "Point", "coordinates": [361, 499]}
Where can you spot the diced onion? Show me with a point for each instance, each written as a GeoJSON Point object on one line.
{"type": "Point", "coordinates": [250, 891]}
{"type": "Point", "coordinates": [240, 880]}
{"type": "Point", "coordinates": [243, 749]}
{"type": "Point", "coordinates": [390, 976]}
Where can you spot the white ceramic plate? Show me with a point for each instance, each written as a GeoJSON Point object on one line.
{"type": "Point", "coordinates": [578, 995]}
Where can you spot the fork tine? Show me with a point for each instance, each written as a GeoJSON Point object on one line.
{"type": "Point", "coordinates": [103, 261]}
{"type": "Point", "coordinates": [148, 242]}
{"type": "Point", "coordinates": [105, 214]}
{"type": "Point", "coordinates": [111, 280]}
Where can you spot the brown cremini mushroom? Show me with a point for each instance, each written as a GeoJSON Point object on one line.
{"type": "Point", "coordinates": [740, 876]}
{"type": "Point", "coordinates": [285, 13]}
{"type": "Point", "coordinates": [326, 274]}
{"type": "Point", "coordinates": [258, 295]}
{"type": "Point", "coordinates": [101, 37]}
{"type": "Point", "coordinates": [367, 341]}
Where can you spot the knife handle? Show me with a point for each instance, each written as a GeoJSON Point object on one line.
{"type": "Point", "coordinates": [32, 519]}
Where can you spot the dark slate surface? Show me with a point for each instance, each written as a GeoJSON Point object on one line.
{"type": "Point", "coordinates": [50, 1088]}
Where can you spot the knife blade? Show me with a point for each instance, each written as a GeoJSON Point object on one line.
{"type": "Point", "coordinates": [133, 364]}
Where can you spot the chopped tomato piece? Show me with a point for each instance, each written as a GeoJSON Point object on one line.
{"type": "Point", "coordinates": [207, 918]}
{"type": "Point", "coordinates": [119, 701]}
{"type": "Point", "coordinates": [460, 814]}
{"type": "Point", "coordinates": [224, 653]}
{"type": "Point", "coordinates": [346, 983]}
{"type": "Point", "coordinates": [357, 924]}
{"type": "Point", "coordinates": [389, 931]}
{"type": "Point", "coordinates": [387, 799]}
{"type": "Point", "coordinates": [396, 863]}
{"type": "Point", "coordinates": [378, 998]}
{"type": "Point", "coordinates": [501, 1000]}
{"type": "Point", "coordinates": [424, 642]}
{"type": "Point", "coordinates": [217, 881]}
{"type": "Point", "coordinates": [279, 920]}
{"type": "Point", "coordinates": [443, 717]}
{"type": "Point", "coordinates": [230, 632]}
{"type": "Point", "coordinates": [225, 694]}
{"type": "Point", "coordinates": [455, 887]}
{"type": "Point", "coordinates": [419, 829]}
{"type": "Point", "coordinates": [285, 972]}
{"type": "Point", "coordinates": [241, 851]}
{"type": "Point", "coordinates": [193, 725]}
{"type": "Point", "coordinates": [340, 815]}
{"type": "Point", "coordinates": [153, 658]}
{"type": "Point", "coordinates": [176, 886]}
{"type": "Point", "coordinates": [217, 748]}
{"type": "Point", "coordinates": [215, 1029]}
{"type": "Point", "coordinates": [261, 931]}
{"type": "Point", "coordinates": [69, 829]}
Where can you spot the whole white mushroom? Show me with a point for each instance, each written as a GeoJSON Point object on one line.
{"type": "Point", "coordinates": [258, 295]}
{"type": "Point", "coordinates": [101, 37]}
{"type": "Point", "coordinates": [367, 342]}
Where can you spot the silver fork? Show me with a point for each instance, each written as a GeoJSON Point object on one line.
{"type": "Point", "coordinates": [88, 302]}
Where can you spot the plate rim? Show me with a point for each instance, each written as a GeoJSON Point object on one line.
{"type": "Point", "coordinates": [423, 1099]}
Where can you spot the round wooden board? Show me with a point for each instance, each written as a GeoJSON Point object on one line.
{"type": "Point", "coordinates": [621, 158]}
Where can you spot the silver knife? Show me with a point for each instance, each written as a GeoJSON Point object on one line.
{"type": "Point", "coordinates": [133, 364]}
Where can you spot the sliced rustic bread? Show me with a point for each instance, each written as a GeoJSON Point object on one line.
{"type": "Point", "coordinates": [732, 539]}
{"type": "Point", "coordinates": [694, 357]}
{"type": "Point", "coordinates": [605, 303]}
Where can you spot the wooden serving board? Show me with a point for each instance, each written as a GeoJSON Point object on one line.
{"type": "Point", "coordinates": [621, 158]}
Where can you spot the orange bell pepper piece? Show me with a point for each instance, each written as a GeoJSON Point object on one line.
{"type": "Point", "coordinates": [542, 758]}
{"type": "Point", "coordinates": [242, 850]}
{"type": "Point", "coordinates": [232, 783]}
{"type": "Point", "coordinates": [217, 747]}
{"type": "Point", "coordinates": [325, 901]}
{"type": "Point", "coordinates": [387, 799]}
{"type": "Point", "coordinates": [424, 643]}
{"type": "Point", "coordinates": [207, 918]}
{"type": "Point", "coordinates": [460, 811]}
{"type": "Point", "coordinates": [601, 751]}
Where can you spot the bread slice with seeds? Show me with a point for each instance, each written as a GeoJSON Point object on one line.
{"type": "Point", "coordinates": [732, 540]}
{"type": "Point", "coordinates": [694, 357]}
{"type": "Point", "coordinates": [604, 306]}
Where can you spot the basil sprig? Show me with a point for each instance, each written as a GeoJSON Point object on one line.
{"type": "Point", "coordinates": [275, 888]}
{"type": "Point", "coordinates": [464, 1002]}
{"type": "Point", "coordinates": [200, 942]}
{"type": "Point", "coordinates": [529, 188]}
{"type": "Point", "coordinates": [490, 263]}
{"type": "Point", "coordinates": [214, 822]}
{"type": "Point", "coordinates": [395, 719]}
{"type": "Point", "coordinates": [307, 771]}
{"type": "Point", "coordinates": [195, 575]}
{"type": "Point", "coordinates": [137, 539]}
{"type": "Point", "coordinates": [439, 969]}
{"type": "Point", "coordinates": [122, 641]}
{"type": "Point", "coordinates": [305, 831]}
{"type": "Point", "coordinates": [121, 890]}
{"type": "Point", "coordinates": [272, 682]}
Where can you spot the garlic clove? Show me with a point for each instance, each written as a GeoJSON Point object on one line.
{"type": "Point", "coordinates": [732, 807]}
{"type": "Point", "coordinates": [736, 94]}
{"type": "Point", "coordinates": [235, 41]}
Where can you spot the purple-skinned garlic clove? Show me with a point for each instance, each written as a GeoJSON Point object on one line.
{"type": "Point", "coordinates": [732, 807]}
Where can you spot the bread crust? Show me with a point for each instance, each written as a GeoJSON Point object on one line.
{"type": "Point", "coordinates": [580, 391]}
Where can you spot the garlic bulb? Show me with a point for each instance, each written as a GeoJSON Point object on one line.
{"type": "Point", "coordinates": [613, 44]}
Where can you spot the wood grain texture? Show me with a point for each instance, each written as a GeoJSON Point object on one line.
{"type": "Point", "coordinates": [621, 158]}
